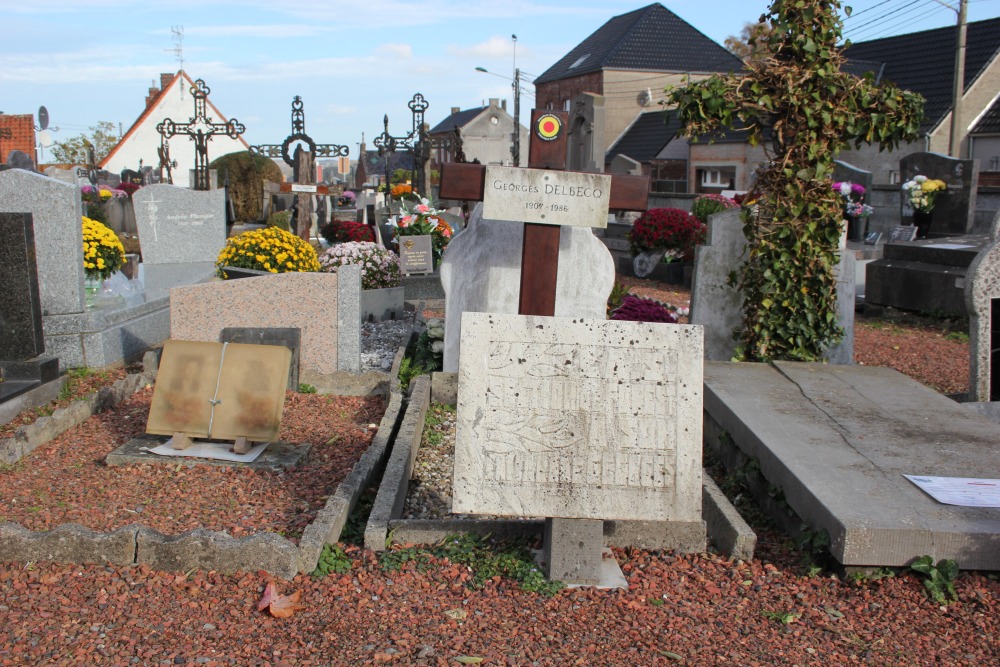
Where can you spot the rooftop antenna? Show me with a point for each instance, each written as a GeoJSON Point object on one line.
{"type": "Point", "coordinates": [178, 50]}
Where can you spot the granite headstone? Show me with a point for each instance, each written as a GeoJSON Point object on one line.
{"type": "Point", "coordinates": [481, 272]}
{"type": "Point", "coordinates": [56, 213]}
{"type": "Point", "coordinates": [178, 226]}
{"type": "Point", "coordinates": [954, 211]}
{"type": "Point", "coordinates": [20, 305]}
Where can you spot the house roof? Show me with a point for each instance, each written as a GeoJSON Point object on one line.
{"type": "Point", "coordinates": [458, 119]}
{"type": "Point", "coordinates": [924, 62]}
{"type": "Point", "coordinates": [989, 122]}
{"type": "Point", "coordinates": [646, 136]}
{"type": "Point", "coordinates": [151, 105]}
{"type": "Point", "coordinates": [651, 38]}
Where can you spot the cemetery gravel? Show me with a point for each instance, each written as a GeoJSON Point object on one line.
{"type": "Point", "coordinates": [784, 607]}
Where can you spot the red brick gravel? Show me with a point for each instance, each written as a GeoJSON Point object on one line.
{"type": "Point", "coordinates": [679, 610]}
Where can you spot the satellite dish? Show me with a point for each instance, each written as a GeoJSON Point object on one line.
{"type": "Point", "coordinates": [645, 97]}
{"type": "Point", "coordinates": [45, 138]}
{"type": "Point", "coordinates": [43, 118]}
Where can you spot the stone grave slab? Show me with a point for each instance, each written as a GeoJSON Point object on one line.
{"type": "Point", "coordinates": [837, 441]}
{"type": "Point", "coordinates": [55, 210]}
{"type": "Point", "coordinates": [324, 306]}
{"type": "Point", "coordinates": [219, 390]}
{"type": "Point", "coordinates": [481, 272]}
{"type": "Point", "coordinates": [177, 225]}
{"type": "Point", "coordinates": [954, 212]}
{"type": "Point", "coordinates": [578, 419]}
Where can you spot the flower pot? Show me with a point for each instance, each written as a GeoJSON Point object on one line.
{"type": "Point", "coordinates": [922, 219]}
{"type": "Point", "coordinates": [91, 290]}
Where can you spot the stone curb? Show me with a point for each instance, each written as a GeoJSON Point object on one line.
{"type": "Point", "coordinates": [200, 548]}
{"type": "Point", "coordinates": [28, 438]}
{"type": "Point", "coordinates": [724, 526]}
{"type": "Point", "coordinates": [392, 490]}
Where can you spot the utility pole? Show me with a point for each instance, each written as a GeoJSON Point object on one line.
{"type": "Point", "coordinates": [955, 137]}
{"type": "Point", "coordinates": [515, 149]}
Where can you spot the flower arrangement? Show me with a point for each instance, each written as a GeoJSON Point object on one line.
{"type": "Point", "coordinates": [640, 309]}
{"type": "Point", "coordinates": [101, 193]}
{"type": "Point", "coordinates": [379, 265]}
{"type": "Point", "coordinates": [103, 253]}
{"type": "Point", "coordinates": [670, 229]}
{"type": "Point", "coordinates": [269, 249]}
{"type": "Point", "coordinates": [401, 190]}
{"type": "Point", "coordinates": [422, 218]}
{"type": "Point", "coordinates": [921, 192]}
{"type": "Point", "coordinates": [347, 198]}
{"type": "Point", "coordinates": [853, 195]}
{"type": "Point", "coordinates": [706, 205]}
{"type": "Point", "coordinates": [346, 231]}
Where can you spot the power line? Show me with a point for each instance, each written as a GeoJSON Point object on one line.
{"type": "Point", "coordinates": [881, 18]}
{"type": "Point", "coordinates": [915, 19]}
{"type": "Point", "coordinates": [856, 14]}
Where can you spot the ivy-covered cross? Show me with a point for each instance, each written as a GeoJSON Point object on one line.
{"type": "Point", "coordinates": [798, 104]}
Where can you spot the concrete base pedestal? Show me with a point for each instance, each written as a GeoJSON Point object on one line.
{"type": "Point", "coordinates": [574, 553]}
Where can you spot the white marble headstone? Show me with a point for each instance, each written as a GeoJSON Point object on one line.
{"type": "Point", "coordinates": [579, 419]}
{"type": "Point", "coordinates": [179, 226]}
{"type": "Point", "coordinates": [481, 272]}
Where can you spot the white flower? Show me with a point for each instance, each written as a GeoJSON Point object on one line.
{"type": "Point", "coordinates": [437, 347]}
{"type": "Point", "coordinates": [845, 189]}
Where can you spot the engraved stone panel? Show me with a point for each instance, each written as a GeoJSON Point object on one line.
{"type": "Point", "coordinates": [575, 418]}
{"type": "Point", "coordinates": [219, 390]}
{"type": "Point", "coordinates": [177, 225]}
{"type": "Point", "coordinates": [546, 197]}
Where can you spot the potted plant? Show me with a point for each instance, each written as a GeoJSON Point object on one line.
{"type": "Point", "coordinates": [381, 293]}
{"type": "Point", "coordinates": [665, 235]}
{"type": "Point", "coordinates": [268, 250]}
{"type": "Point", "coordinates": [103, 254]}
{"type": "Point", "coordinates": [420, 218]}
{"type": "Point", "coordinates": [921, 193]}
{"type": "Point", "coordinates": [856, 211]}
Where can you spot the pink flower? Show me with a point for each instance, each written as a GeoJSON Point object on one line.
{"type": "Point", "coordinates": [423, 208]}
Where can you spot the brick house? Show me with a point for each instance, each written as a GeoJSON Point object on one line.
{"type": "Point", "coordinates": [17, 133]}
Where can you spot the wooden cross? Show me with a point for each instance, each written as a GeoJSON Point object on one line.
{"type": "Point", "coordinates": [540, 253]}
{"type": "Point", "coordinates": [200, 129]}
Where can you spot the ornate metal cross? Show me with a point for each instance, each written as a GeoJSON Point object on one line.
{"type": "Point", "coordinates": [299, 134]}
{"type": "Point", "coordinates": [200, 129]}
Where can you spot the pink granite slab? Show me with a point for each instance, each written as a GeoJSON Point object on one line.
{"type": "Point", "coordinates": [307, 301]}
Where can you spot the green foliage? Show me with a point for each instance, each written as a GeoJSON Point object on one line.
{"type": "Point", "coordinates": [354, 529]}
{"type": "Point", "coordinates": [74, 150]}
{"type": "Point", "coordinates": [959, 336]}
{"type": "Point", "coordinates": [783, 617]}
{"type": "Point", "coordinates": [797, 97]}
{"type": "Point", "coordinates": [437, 413]}
{"type": "Point", "coordinates": [402, 176]}
{"type": "Point", "coordinates": [280, 219]}
{"type": "Point", "coordinates": [407, 371]}
{"type": "Point", "coordinates": [247, 174]}
{"type": "Point", "coordinates": [306, 388]}
{"type": "Point", "coordinates": [618, 292]}
{"type": "Point", "coordinates": [485, 558]}
{"type": "Point", "coordinates": [332, 560]}
{"type": "Point", "coordinates": [939, 581]}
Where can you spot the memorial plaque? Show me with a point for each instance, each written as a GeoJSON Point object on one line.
{"type": "Point", "coordinates": [177, 225]}
{"type": "Point", "coordinates": [903, 233]}
{"type": "Point", "coordinates": [219, 390]}
{"type": "Point", "coordinates": [416, 254]}
{"type": "Point", "coordinates": [575, 418]}
{"type": "Point", "coordinates": [546, 197]}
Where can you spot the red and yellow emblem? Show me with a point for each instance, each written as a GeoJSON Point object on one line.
{"type": "Point", "coordinates": [548, 127]}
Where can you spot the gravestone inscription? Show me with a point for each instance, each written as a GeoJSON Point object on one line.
{"type": "Point", "coordinates": [177, 225]}
{"type": "Point", "coordinates": [580, 419]}
{"type": "Point", "coordinates": [416, 254]}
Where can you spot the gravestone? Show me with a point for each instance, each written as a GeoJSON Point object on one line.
{"type": "Point", "coordinates": [56, 213]}
{"type": "Point", "coordinates": [287, 336]}
{"type": "Point", "coordinates": [715, 304]}
{"type": "Point", "coordinates": [416, 254]}
{"type": "Point", "coordinates": [982, 301]}
{"type": "Point", "coordinates": [180, 226]}
{"type": "Point", "coordinates": [481, 272]}
{"type": "Point", "coordinates": [902, 233]}
{"type": "Point", "coordinates": [572, 419]}
{"type": "Point", "coordinates": [954, 211]}
{"type": "Point", "coordinates": [857, 229]}
{"type": "Point", "coordinates": [20, 306]}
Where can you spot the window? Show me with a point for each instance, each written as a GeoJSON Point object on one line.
{"type": "Point", "coordinates": [579, 61]}
{"type": "Point", "coordinates": [567, 105]}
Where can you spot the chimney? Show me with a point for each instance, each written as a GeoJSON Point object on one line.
{"type": "Point", "coordinates": [503, 104]}
{"type": "Point", "coordinates": [153, 92]}
{"type": "Point", "coordinates": [455, 110]}
{"type": "Point", "coordinates": [494, 102]}
{"type": "Point", "coordinates": [165, 80]}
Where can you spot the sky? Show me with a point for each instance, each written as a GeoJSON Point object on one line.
{"type": "Point", "coordinates": [352, 62]}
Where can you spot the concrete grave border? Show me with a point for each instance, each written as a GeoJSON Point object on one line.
{"type": "Point", "coordinates": [726, 529]}
{"type": "Point", "coordinates": [199, 548]}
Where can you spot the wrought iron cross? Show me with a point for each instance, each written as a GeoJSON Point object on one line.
{"type": "Point", "coordinates": [201, 130]}
{"type": "Point", "coordinates": [299, 134]}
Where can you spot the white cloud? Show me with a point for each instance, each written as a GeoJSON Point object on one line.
{"type": "Point", "coordinates": [395, 50]}
{"type": "Point", "coordinates": [494, 47]}
{"type": "Point", "coordinates": [275, 31]}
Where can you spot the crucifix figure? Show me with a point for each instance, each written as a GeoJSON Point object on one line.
{"type": "Point", "coordinates": [200, 129]}
{"type": "Point", "coordinates": [795, 98]}
{"type": "Point", "coordinates": [303, 164]}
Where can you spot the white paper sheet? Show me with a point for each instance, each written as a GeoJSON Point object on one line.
{"type": "Point", "coordinates": [964, 491]}
{"type": "Point", "coordinates": [219, 451]}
